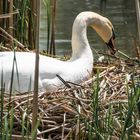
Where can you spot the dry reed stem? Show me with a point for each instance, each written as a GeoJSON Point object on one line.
{"type": "Point", "coordinates": [20, 46]}
{"type": "Point", "coordinates": [8, 15]}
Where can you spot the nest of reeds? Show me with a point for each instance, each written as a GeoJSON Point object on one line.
{"type": "Point", "coordinates": [101, 107]}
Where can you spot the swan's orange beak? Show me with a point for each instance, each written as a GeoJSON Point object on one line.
{"type": "Point", "coordinates": [111, 44]}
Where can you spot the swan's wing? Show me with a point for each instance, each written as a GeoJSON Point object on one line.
{"type": "Point", "coordinates": [50, 67]}
{"type": "Point", "coordinates": [52, 84]}
{"type": "Point", "coordinates": [25, 63]}
{"type": "Point", "coordinates": [24, 67]}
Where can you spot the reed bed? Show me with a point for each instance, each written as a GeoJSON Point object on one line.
{"type": "Point", "coordinates": [106, 106]}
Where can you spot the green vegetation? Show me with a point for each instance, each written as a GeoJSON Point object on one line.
{"type": "Point", "coordinates": [51, 11]}
{"type": "Point", "coordinates": [19, 20]}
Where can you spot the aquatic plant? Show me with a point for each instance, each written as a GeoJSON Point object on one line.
{"type": "Point", "coordinates": [51, 14]}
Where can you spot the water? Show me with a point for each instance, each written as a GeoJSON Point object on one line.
{"type": "Point", "coordinates": [121, 13]}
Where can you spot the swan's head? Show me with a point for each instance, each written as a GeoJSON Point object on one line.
{"type": "Point", "coordinates": [106, 31]}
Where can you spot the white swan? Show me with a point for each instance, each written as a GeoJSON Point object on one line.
{"type": "Point", "coordinates": [75, 70]}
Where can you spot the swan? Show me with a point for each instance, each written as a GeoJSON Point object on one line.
{"type": "Point", "coordinates": [52, 72]}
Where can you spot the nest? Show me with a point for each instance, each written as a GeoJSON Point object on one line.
{"type": "Point", "coordinates": [68, 113]}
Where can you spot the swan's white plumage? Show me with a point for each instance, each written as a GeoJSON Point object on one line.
{"type": "Point", "coordinates": [77, 69]}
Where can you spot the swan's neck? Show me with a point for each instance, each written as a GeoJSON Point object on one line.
{"type": "Point", "coordinates": [80, 44]}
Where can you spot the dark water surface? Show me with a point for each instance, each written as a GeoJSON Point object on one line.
{"type": "Point", "coordinates": [121, 13]}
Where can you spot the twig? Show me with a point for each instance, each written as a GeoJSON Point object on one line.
{"type": "Point", "coordinates": [36, 73]}
{"type": "Point", "coordinates": [123, 54]}
{"type": "Point", "coordinates": [50, 130]}
{"type": "Point", "coordinates": [109, 55]}
{"type": "Point", "coordinates": [63, 125]}
{"type": "Point", "coordinates": [26, 137]}
{"type": "Point", "coordinates": [63, 81]}
{"type": "Point", "coordinates": [16, 41]}
{"type": "Point", "coordinates": [8, 15]}
{"type": "Point", "coordinates": [137, 3]}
